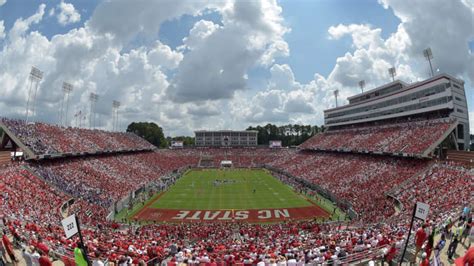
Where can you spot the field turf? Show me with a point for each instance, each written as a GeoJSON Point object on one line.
{"type": "Point", "coordinates": [215, 189]}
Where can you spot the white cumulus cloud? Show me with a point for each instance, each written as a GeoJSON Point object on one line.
{"type": "Point", "coordinates": [164, 56]}
{"type": "Point", "coordinates": [204, 83]}
{"type": "Point", "coordinates": [67, 14]}
{"type": "Point", "coordinates": [444, 26]}
{"type": "Point", "coordinates": [216, 66]}
{"type": "Point", "coordinates": [2, 30]}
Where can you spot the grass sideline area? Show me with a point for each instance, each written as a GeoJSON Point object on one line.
{"type": "Point", "coordinates": [229, 189]}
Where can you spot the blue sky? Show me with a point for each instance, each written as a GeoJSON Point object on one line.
{"type": "Point", "coordinates": [14, 9]}
{"type": "Point", "coordinates": [284, 57]}
{"type": "Point", "coordinates": [308, 39]}
{"type": "Point", "coordinates": [310, 20]}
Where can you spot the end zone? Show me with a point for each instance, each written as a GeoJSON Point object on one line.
{"type": "Point", "coordinates": [252, 216]}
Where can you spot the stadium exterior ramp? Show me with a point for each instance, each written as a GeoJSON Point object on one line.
{"type": "Point", "coordinates": [437, 143]}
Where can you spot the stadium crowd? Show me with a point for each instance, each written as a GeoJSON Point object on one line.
{"type": "Point", "coordinates": [30, 212]}
{"type": "Point", "coordinates": [412, 138]}
{"type": "Point", "coordinates": [45, 139]}
{"type": "Point", "coordinates": [361, 180]}
{"type": "Point", "coordinates": [32, 194]}
{"type": "Point", "coordinates": [103, 180]}
{"type": "Point", "coordinates": [444, 185]}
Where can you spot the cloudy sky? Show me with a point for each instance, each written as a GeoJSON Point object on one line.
{"type": "Point", "coordinates": [198, 64]}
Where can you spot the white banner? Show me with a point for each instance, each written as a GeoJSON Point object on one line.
{"type": "Point", "coordinates": [177, 144]}
{"type": "Point", "coordinates": [422, 210]}
{"type": "Point", "coordinates": [70, 226]}
{"type": "Point", "coordinates": [275, 143]}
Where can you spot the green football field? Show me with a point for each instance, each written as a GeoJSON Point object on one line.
{"type": "Point", "coordinates": [215, 189]}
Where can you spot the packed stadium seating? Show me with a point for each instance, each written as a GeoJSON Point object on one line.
{"type": "Point", "coordinates": [45, 139]}
{"type": "Point", "coordinates": [103, 180]}
{"type": "Point", "coordinates": [445, 186]}
{"type": "Point", "coordinates": [360, 179]}
{"type": "Point", "coordinates": [28, 198]}
{"type": "Point", "coordinates": [31, 206]}
{"type": "Point", "coordinates": [240, 157]}
{"type": "Point", "coordinates": [32, 193]}
{"type": "Point", "coordinates": [412, 138]}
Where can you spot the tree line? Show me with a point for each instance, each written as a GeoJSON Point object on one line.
{"type": "Point", "coordinates": [290, 135]}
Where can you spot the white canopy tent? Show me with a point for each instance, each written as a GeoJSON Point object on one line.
{"type": "Point", "coordinates": [226, 163]}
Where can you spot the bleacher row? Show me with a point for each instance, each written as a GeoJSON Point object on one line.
{"type": "Point", "coordinates": [45, 139]}
{"type": "Point", "coordinates": [31, 193]}
{"type": "Point", "coordinates": [403, 138]}
{"type": "Point", "coordinates": [31, 205]}
{"type": "Point", "coordinates": [360, 179]}
{"type": "Point", "coordinates": [4, 157]}
{"type": "Point", "coordinates": [465, 157]}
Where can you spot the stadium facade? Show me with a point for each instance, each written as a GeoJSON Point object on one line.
{"type": "Point", "coordinates": [226, 138]}
{"type": "Point", "coordinates": [441, 96]}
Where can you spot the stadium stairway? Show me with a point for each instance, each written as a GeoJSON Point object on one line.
{"type": "Point", "coordinates": [465, 157]}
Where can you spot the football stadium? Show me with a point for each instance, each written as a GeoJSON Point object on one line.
{"type": "Point", "coordinates": [387, 179]}
{"type": "Point", "coordinates": [349, 190]}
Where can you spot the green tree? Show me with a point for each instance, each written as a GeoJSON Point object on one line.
{"type": "Point", "coordinates": [149, 131]}
{"type": "Point", "coordinates": [290, 135]}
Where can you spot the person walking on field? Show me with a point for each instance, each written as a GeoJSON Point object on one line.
{"type": "Point", "coordinates": [466, 230]}
{"type": "Point", "coordinates": [452, 247]}
{"type": "Point", "coordinates": [439, 247]}
{"type": "Point", "coordinates": [429, 245]}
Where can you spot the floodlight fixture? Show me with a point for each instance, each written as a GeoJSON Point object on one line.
{"type": "Point", "coordinates": [67, 89]}
{"type": "Point", "coordinates": [35, 77]}
{"type": "Point", "coordinates": [392, 72]}
{"type": "Point", "coordinates": [93, 97]}
{"type": "Point", "coordinates": [428, 54]}
{"type": "Point", "coordinates": [362, 85]}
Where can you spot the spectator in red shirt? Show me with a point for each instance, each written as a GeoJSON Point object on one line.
{"type": "Point", "coordinates": [392, 252]}
{"type": "Point", "coordinates": [8, 246]}
{"type": "Point", "coordinates": [44, 260]}
{"type": "Point", "coordinates": [467, 259]}
{"type": "Point", "coordinates": [420, 238]}
{"type": "Point", "coordinates": [42, 246]}
{"type": "Point", "coordinates": [425, 261]}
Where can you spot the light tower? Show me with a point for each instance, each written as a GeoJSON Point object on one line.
{"type": "Point", "coordinates": [392, 72]}
{"type": "Point", "coordinates": [67, 89]}
{"type": "Point", "coordinates": [115, 107]}
{"type": "Point", "coordinates": [429, 55]}
{"type": "Point", "coordinates": [35, 77]}
{"type": "Point", "coordinates": [336, 93]}
{"type": "Point", "coordinates": [362, 85]}
{"type": "Point", "coordinates": [93, 98]}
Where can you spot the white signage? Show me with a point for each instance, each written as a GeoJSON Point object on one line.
{"type": "Point", "coordinates": [275, 143]}
{"type": "Point", "coordinates": [70, 226]}
{"type": "Point", "coordinates": [422, 210]}
{"type": "Point", "coordinates": [177, 144]}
